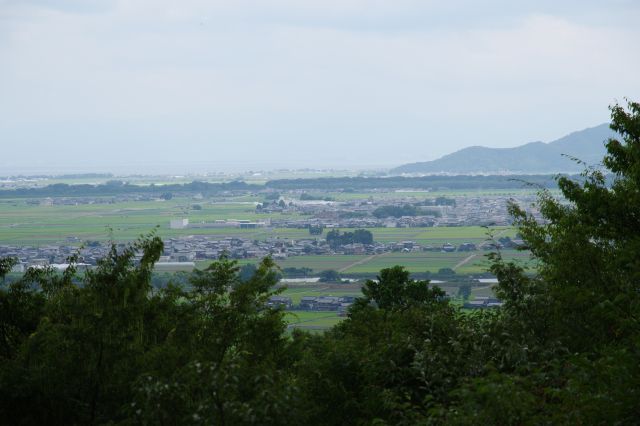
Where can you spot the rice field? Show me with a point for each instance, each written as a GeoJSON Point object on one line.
{"type": "Point", "coordinates": [310, 321]}
{"type": "Point", "coordinates": [22, 223]}
{"type": "Point", "coordinates": [463, 263]}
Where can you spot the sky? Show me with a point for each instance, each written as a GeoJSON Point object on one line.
{"type": "Point", "coordinates": [152, 86]}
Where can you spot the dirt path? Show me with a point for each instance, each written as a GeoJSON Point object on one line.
{"type": "Point", "coordinates": [360, 262]}
{"type": "Point", "coordinates": [464, 261]}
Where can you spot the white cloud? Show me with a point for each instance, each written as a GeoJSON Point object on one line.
{"type": "Point", "coordinates": [315, 77]}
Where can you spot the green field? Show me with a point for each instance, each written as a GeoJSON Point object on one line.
{"type": "Point", "coordinates": [316, 320]}
{"type": "Point", "coordinates": [312, 320]}
{"type": "Point", "coordinates": [470, 262]}
{"type": "Point", "coordinates": [296, 293]}
{"type": "Point", "coordinates": [414, 262]}
{"type": "Point", "coordinates": [321, 263]}
{"type": "Point", "coordinates": [461, 262]}
{"type": "Point", "coordinates": [21, 223]}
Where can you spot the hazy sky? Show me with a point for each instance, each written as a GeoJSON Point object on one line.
{"type": "Point", "coordinates": [156, 85]}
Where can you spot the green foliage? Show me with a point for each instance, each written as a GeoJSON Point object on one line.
{"type": "Point", "coordinates": [359, 236]}
{"type": "Point", "coordinates": [297, 272]}
{"type": "Point", "coordinates": [272, 196]}
{"type": "Point", "coordinates": [247, 271]}
{"type": "Point", "coordinates": [85, 345]}
{"type": "Point", "coordinates": [390, 359]}
{"type": "Point", "coordinates": [495, 399]}
{"type": "Point", "coordinates": [316, 230]}
{"type": "Point", "coordinates": [116, 187]}
{"type": "Point", "coordinates": [464, 291]}
{"type": "Point", "coordinates": [446, 272]}
{"type": "Point", "coordinates": [237, 354]}
{"type": "Point", "coordinates": [584, 300]}
{"type": "Point", "coordinates": [6, 264]}
{"type": "Point", "coordinates": [329, 275]}
{"type": "Point", "coordinates": [588, 248]}
{"type": "Point", "coordinates": [96, 351]}
{"type": "Point", "coordinates": [395, 211]}
{"type": "Point", "coordinates": [395, 290]}
{"type": "Point", "coordinates": [20, 310]}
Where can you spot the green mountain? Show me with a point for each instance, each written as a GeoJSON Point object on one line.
{"type": "Point", "coordinates": [532, 158]}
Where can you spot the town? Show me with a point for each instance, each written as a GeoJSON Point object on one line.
{"type": "Point", "coordinates": [315, 217]}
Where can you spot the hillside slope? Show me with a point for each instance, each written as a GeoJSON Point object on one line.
{"type": "Point", "coordinates": [534, 157]}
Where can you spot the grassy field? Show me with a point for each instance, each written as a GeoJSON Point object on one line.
{"type": "Point", "coordinates": [321, 263]}
{"type": "Point", "coordinates": [21, 223]}
{"type": "Point", "coordinates": [414, 262]}
{"type": "Point", "coordinates": [461, 262]}
{"type": "Point", "coordinates": [320, 289]}
{"type": "Point", "coordinates": [312, 320]}
{"type": "Point", "coordinates": [26, 224]}
{"type": "Point", "coordinates": [317, 320]}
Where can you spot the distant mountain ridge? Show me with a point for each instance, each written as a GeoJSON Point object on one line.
{"type": "Point", "coordinates": [531, 158]}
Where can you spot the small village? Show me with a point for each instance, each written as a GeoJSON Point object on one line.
{"type": "Point", "coordinates": [201, 247]}
{"type": "Point", "coordinates": [314, 215]}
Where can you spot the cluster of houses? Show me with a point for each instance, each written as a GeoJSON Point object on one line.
{"type": "Point", "coordinates": [314, 303]}
{"type": "Point", "coordinates": [466, 211]}
{"type": "Point", "coordinates": [485, 210]}
{"type": "Point", "coordinates": [483, 302]}
{"type": "Point", "coordinates": [52, 255]}
{"type": "Point", "coordinates": [342, 304]}
{"type": "Point", "coordinates": [203, 247]}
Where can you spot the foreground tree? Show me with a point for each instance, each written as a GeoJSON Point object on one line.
{"type": "Point", "coordinates": [236, 368]}
{"type": "Point", "coordinates": [568, 339]}
{"type": "Point", "coordinates": [106, 348]}
{"type": "Point", "coordinates": [86, 344]}
{"type": "Point", "coordinates": [391, 358]}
